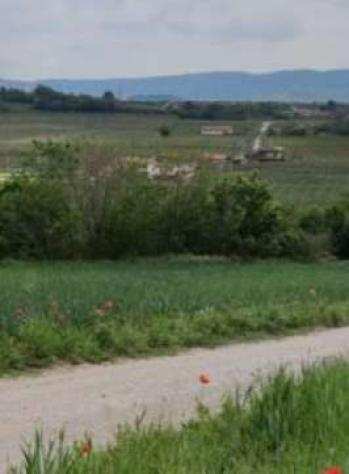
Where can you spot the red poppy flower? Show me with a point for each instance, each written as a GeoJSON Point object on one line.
{"type": "Point", "coordinates": [334, 470]}
{"type": "Point", "coordinates": [205, 379]}
{"type": "Point", "coordinates": [86, 448]}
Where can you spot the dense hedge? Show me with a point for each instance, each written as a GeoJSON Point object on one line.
{"type": "Point", "coordinates": [47, 99]}
{"type": "Point", "coordinates": [59, 207]}
{"type": "Point", "coordinates": [232, 110]}
{"type": "Point", "coordinates": [337, 126]}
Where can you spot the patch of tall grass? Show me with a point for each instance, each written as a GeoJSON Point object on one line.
{"type": "Point", "coordinates": [77, 312]}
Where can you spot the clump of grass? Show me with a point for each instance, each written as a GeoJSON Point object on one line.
{"type": "Point", "coordinates": [293, 424]}
{"type": "Point", "coordinates": [42, 341]}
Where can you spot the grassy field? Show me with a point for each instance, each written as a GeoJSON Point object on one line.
{"type": "Point", "coordinates": [128, 134]}
{"type": "Point", "coordinates": [316, 172]}
{"type": "Point", "coordinates": [293, 425]}
{"type": "Point", "coordinates": [97, 311]}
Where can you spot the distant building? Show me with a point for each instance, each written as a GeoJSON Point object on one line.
{"type": "Point", "coordinates": [313, 112]}
{"type": "Point", "coordinates": [218, 130]}
{"type": "Point", "coordinates": [268, 154]}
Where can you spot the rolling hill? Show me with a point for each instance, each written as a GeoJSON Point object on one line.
{"type": "Point", "coordinates": [290, 86]}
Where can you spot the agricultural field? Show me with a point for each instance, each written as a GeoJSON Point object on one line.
{"type": "Point", "coordinates": [98, 311]}
{"type": "Point", "coordinates": [147, 294]}
{"type": "Point", "coordinates": [129, 134]}
{"type": "Point", "coordinates": [316, 170]}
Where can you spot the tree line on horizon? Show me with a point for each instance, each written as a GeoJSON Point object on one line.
{"type": "Point", "coordinates": [47, 99]}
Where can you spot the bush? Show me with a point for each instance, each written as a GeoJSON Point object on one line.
{"type": "Point", "coordinates": [51, 160]}
{"type": "Point", "coordinates": [165, 131]}
{"type": "Point", "coordinates": [233, 217]}
{"type": "Point", "coordinates": [340, 240]}
{"type": "Point", "coordinates": [314, 221]}
{"type": "Point", "coordinates": [338, 220]}
{"type": "Point", "coordinates": [295, 131]}
{"type": "Point", "coordinates": [38, 221]}
{"type": "Point", "coordinates": [247, 221]}
{"type": "Point", "coordinates": [334, 127]}
{"type": "Point", "coordinates": [185, 216]}
{"type": "Point", "coordinates": [340, 127]}
{"type": "Point", "coordinates": [56, 208]}
{"type": "Point", "coordinates": [131, 220]}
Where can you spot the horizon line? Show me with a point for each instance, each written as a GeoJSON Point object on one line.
{"type": "Point", "coordinates": [181, 74]}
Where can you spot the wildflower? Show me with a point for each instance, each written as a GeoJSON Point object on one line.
{"type": "Point", "coordinates": [60, 318]}
{"type": "Point", "coordinates": [20, 313]}
{"type": "Point", "coordinates": [106, 308]}
{"type": "Point", "coordinates": [333, 470]}
{"type": "Point", "coordinates": [86, 448]}
{"type": "Point", "coordinates": [205, 379]}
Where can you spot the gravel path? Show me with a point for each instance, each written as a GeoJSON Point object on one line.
{"type": "Point", "coordinates": [97, 398]}
{"type": "Point", "coordinates": [257, 144]}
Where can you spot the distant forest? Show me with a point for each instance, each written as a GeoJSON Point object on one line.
{"type": "Point", "coordinates": [47, 99]}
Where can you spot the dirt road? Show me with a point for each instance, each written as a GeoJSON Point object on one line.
{"type": "Point", "coordinates": [257, 144]}
{"type": "Point", "coordinates": [97, 398]}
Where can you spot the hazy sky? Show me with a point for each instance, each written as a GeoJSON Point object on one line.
{"type": "Point", "coordinates": [113, 38]}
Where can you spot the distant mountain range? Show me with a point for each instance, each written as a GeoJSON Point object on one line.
{"type": "Point", "coordinates": [290, 86]}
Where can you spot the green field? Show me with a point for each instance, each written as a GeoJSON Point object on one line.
{"type": "Point", "coordinates": [98, 311]}
{"type": "Point", "coordinates": [316, 172]}
{"type": "Point", "coordinates": [293, 425]}
{"type": "Point", "coordinates": [128, 134]}
{"type": "Point", "coordinates": [170, 286]}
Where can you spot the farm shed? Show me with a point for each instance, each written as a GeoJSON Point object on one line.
{"type": "Point", "coordinates": [217, 131]}
{"type": "Point", "coordinates": [269, 154]}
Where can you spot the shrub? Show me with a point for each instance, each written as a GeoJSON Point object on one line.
{"type": "Point", "coordinates": [165, 131]}
{"type": "Point", "coordinates": [314, 221]}
{"type": "Point", "coordinates": [247, 221]}
{"type": "Point", "coordinates": [236, 216]}
{"type": "Point", "coordinates": [131, 220]}
{"type": "Point", "coordinates": [338, 219]}
{"type": "Point", "coordinates": [335, 127]}
{"type": "Point", "coordinates": [340, 127]}
{"type": "Point", "coordinates": [56, 208]}
{"type": "Point", "coordinates": [52, 160]}
{"type": "Point", "coordinates": [340, 240]}
{"type": "Point", "coordinates": [295, 131]}
{"type": "Point", "coordinates": [37, 220]}
{"type": "Point", "coordinates": [185, 219]}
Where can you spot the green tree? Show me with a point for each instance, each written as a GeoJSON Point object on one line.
{"type": "Point", "coordinates": [109, 96]}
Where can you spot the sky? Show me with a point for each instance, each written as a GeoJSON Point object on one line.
{"type": "Point", "coordinates": [133, 38]}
